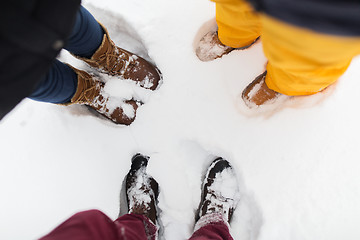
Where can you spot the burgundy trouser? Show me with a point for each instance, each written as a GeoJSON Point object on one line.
{"type": "Point", "coordinates": [95, 225]}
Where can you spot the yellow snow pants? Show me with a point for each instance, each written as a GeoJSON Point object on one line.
{"type": "Point", "coordinates": [300, 61]}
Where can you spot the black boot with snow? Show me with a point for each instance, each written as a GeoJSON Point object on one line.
{"type": "Point", "coordinates": [141, 189]}
{"type": "Point", "coordinates": [220, 192]}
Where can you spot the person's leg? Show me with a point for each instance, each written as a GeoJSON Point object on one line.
{"type": "Point", "coordinates": [91, 42]}
{"type": "Point", "coordinates": [141, 195]}
{"type": "Point", "coordinates": [66, 85]}
{"type": "Point", "coordinates": [216, 205]}
{"type": "Point", "coordinates": [88, 225]}
{"type": "Point", "coordinates": [60, 83]}
{"type": "Point", "coordinates": [211, 226]}
{"type": "Point", "coordinates": [301, 62]}
{"type": "Point", "coordinates": [95, 225]}
{"type": "Point", "coordinates": [135, 227]}
{"type": "Point", "coordinates": [86, 36]}
{"type": "Point", "coordinates": [238, 24]}
{"type": "Point", "coordinates": [142, 192]}
{"type": "Point", "coordinates": [57, 86]}
{"type": "Point", "coordinates": [139, 224]}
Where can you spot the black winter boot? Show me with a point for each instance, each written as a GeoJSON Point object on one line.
{"type": "Point", "coordinates": [142, 190]}
{"type": "Point", "coordinates": [220, 192]}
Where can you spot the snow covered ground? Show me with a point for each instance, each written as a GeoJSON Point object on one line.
{"type": "Point", "coordinates": [298, 167]}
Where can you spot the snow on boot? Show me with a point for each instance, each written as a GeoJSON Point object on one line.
{"type": "Point", "coordinates": [116, 61]}
{"type": "Point", "coordinates": [257, 93]}
{"type": "Point", "coordinates": [220, 193]}
{"type": "Point", "coordinates": [90, 91]}
{"type": "Point", "coordinates": [211, 48]}
{"type": "Point", "coordinates": [142, 190]}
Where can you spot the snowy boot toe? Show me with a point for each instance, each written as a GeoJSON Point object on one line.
{"type": "Point", "coordinates": [257, 93]}
{"type": "Point", "coordinates": [220, 192]}
{"type": "Point", "coordinates": [142, 190]}
{"type": "Point", "coordinates": [211, 48]}
{"type": "Point", "coordinates": [90, 91]}
{"type": "Point", "coordinates": [116, 61]}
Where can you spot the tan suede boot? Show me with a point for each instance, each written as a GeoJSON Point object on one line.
{"type": "Point", "coordinates": [113, 60]}
{"type": "Point", "coordinates": [90, 92]}
{"type": "Point", "coordinates": [257, 93]}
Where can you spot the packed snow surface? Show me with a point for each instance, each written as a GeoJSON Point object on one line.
{"type": "Point", "coordinates": [297, 165]}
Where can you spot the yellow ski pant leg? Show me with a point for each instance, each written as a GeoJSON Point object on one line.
{"type": "Point", "coordinates": [238, 24]}
{"type": "Point", "coordinates": [303, 62]}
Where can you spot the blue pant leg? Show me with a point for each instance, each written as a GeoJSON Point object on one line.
{"type": "Point", "coordinates": [58, 86]}
{"type": "Point", "coordinates": [60, 83]}
{"type": "Point", "coordinates": [86, 36]}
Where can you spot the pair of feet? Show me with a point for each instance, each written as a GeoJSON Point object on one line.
{"type": "Point", "coordinates": [113, 61]}
{"type": "Point", "coordinates": [220, 192]}
{"type": "Point", "coordinates": [257, 92]}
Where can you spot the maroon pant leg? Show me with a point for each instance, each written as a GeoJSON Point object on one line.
{"type": "Point", "coordinates": [95, 225]}
{"type": "Point", "coordinates": [135, 227]}
{"type": "Point", "coordinates": [212, 227]}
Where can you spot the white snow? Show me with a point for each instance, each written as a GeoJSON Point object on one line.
{"type": "Point", "coordinates": [225, 183]}
{"type": "Point", "coordinates": [136, 192]}
{"type": "Point", "coordinates": [298, 167]}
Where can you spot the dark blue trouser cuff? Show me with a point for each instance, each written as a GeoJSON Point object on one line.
{"type": "Point", "coordinates": [60, 83]}
{"type": "Point", "coordinates": [58, 86]}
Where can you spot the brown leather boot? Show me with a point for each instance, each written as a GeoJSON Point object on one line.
{"type": "Point", "coordinates": [90, 92]}
{"type": "Point", "coordinates": [113, 60]}
{"type": "Point", "coordinates": [257, 93]}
